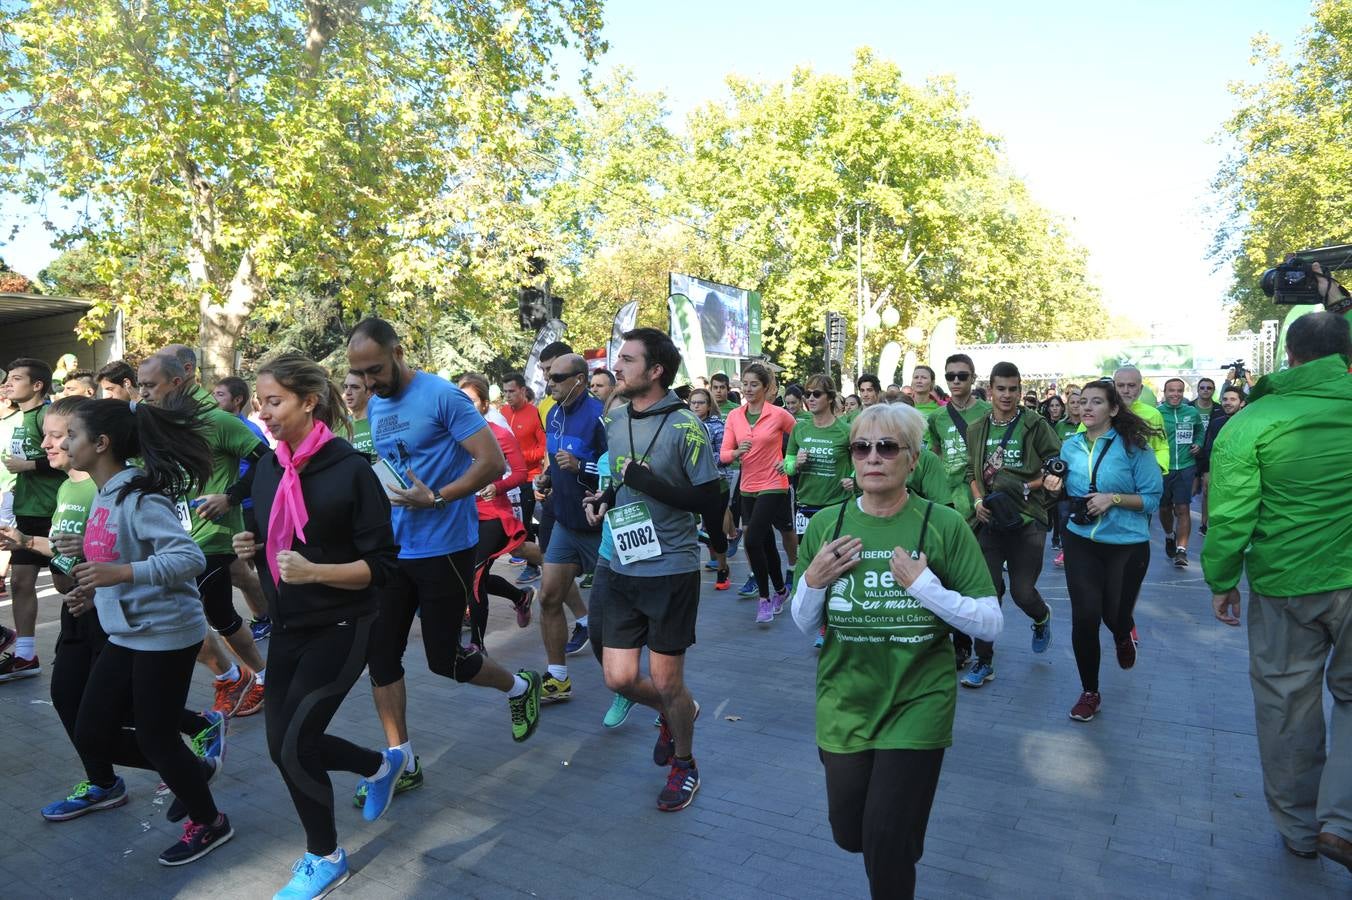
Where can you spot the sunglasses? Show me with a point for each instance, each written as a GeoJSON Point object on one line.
{"type": "Point", "coordinates": [887, 448]}
{"type": "Point", "coordinates": [957, 376]}
{"type": "Point", "coordinates": [814, 394]}
{"type": "Point", "coordinates": [560, 377]}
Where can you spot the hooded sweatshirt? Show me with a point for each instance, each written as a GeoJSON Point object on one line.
{"type": "Point", "coordinates": [160, 609]}
{"type": "Point", "coordinates": [349, 520]}
{"type": "Point", "coordinates": [1279, 476]}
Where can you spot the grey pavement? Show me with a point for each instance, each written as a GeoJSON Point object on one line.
{"type": "Point", "coordinates": [1160, 796]}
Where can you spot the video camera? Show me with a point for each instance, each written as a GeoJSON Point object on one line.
{"type": "Point", "coordinates": [1295, 282]}
{"type": "Point", "coordinates": [1239, 367]}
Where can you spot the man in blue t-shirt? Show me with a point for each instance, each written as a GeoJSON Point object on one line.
{"type": "Point", "coordinates": [429, 432]}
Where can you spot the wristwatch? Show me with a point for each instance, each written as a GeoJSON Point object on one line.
{"type": "Point", "coordinates": [1117, 499]}
{"type": "Point", "coordinates": [438, 502]}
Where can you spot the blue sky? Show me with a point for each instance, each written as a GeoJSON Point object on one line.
{"type": "Point", "coordinates": [1107, 110]}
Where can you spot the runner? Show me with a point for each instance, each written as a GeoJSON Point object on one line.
{"type": "Point", "coordinates": [1005, 453]}
{"type": "Point", "coordinates": [355, 398]}
{"type": "Point", "coordinates": [702, 405]}
{"type": "Point", "coordinates": [754, 436]}
{"type": "Point", "coordinates": [601, 383]}
{"type": "Point", "coordinates": [429, 433]}
{"type": "Point", "coordinates": [27, 383]}
{"type": "Point", "coordinates": [213, 519]}
{"type": "Point", "coordinates": [527, 426]}
{"type": "Point", "coordinates": [326, 546]}
{"type": "Point", "coordinates": [232, 394]}
{"type": "Point", "coordinates": [1184, 432]}
{"type": "Point", "coordinates": [922, 384]}
{"type": "Point", "coordinates": [11, 417]}
{"type": "Point", "coordinates": [664, 470]}
{"type": "Point", "coordinates": [574, 439]}
{"type": "Point", "coordinates": [139, 570]}
{"type": "Point", "coordinates": [885, 691]}
{"type": "Point", "coordinates": [1232, 401]}
{"type": "Point", "coordinates": [117, 381]}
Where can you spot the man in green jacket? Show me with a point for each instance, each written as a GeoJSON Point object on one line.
{"type": "Point", "coordinates": [1184, 431]}
{"type": "Point", "coordinates": [1279, 480]}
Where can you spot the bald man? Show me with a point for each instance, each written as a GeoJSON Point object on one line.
{"type": "Point", "coordinates": [1127, 380]}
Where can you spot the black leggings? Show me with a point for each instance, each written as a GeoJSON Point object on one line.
{"type": "Point", "coordinates": [1021, 552]}
{"type": "Point", "coordinates": [763, 513]}
{"type": "Point", "coordinates": [878, 802]}
{"type": "Point", "coordinates": [309, 674]}
{"type": "Point", "coordinates": [1104, 581]}
{"type": "Point", "coordinates": [218, 599]}
{"type": "Point", "coordinates": [492, 540]}
{"type": "Point", "coordinates": [147, 688]}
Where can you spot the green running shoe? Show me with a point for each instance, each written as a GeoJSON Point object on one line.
{"type": "Point", "coordinates": [526, 708]}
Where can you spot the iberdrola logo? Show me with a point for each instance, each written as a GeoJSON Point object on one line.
{"type": "Point", "coordinates": [840, 594]}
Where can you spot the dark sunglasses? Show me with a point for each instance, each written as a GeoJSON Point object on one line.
{"type": "Point", "coordinates": [814, 394]}
{"type": "Point", "coordinates": [560, 377]}
{"type": "Point", "coordinates": [887, 448]}
{"type": "Point", "coordinates": [957, 376]}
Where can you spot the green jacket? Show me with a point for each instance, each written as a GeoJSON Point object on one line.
{"type": "Point", "coordinates": [1279, 486]}
{"type": "Point", "coordinates": [1031, 443]}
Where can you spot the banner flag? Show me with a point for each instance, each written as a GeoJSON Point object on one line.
{"type": "Point", "coordinates": [625, 320]}
{"type": "Point", "coordinates": [689, 340]}
{"type": "Point", "coordinates": [535, 379]}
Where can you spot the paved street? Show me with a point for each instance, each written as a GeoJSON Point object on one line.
{"type": "Point", "coordinates": [1160, 796]}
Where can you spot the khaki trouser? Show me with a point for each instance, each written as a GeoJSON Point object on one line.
{"type": "Point", "coordinates": [1308, 788]}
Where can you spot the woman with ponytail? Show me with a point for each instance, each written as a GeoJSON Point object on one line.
{"type": "Point", "coordinates": [327, 546]}
{"type": "Point", "coordinates": [140, 565]}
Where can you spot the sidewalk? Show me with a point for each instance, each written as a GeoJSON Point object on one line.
{"type": "Point", "coordinates": [1160, 796]}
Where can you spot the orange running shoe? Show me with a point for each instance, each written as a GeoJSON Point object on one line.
{"type": "Point", "coordinates": [229, 694]}
{"type": "Point", "coordinates": [252, 701]}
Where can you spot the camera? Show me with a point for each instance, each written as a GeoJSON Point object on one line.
{"type": "Point", "coordinates": [1293, 283]}
{"type": "Point", "coordinates": [1055, 466]}
{"type": "Point", "coordinates": [1079, 511]}
{"type": "Point", "coordinates": [1240, 369]}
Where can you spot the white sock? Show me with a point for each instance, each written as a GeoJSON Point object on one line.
{"type": "Point", "coordinates": [335, 856]}
{"type": "Point", "coordinates": [231, 675]}
{"type": "Point", "coordinates": [26, 647]}
{"type": "Point", "coordinates": [519, 687]}
{"type": "Point", "coordinates": [559, 672]}
{"type": "Point", "coordinates": [582, 620]}
{"type": "Point", "coordinates": [259, 675]}
{"type": "Point", "coordinates": [407, 747]}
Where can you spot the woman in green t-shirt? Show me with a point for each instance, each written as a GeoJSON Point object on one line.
{"type": "Point", "coordinates": [901, 574]}
{"type": "Point", "coordinates": [819, 454]}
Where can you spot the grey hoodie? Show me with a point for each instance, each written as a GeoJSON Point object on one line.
{"type": "Point", "coordinates": [160, 609]}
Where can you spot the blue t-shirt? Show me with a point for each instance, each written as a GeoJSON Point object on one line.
{"type": "Point", "coordinates": [244, 463]}
{"type": "Point", "coordinates": [421, 429]}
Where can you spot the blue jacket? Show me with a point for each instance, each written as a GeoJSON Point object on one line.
{"type": "Point", "coordinates": [577, 429]}
{"type": "Point", "coordinates": [1125, 470]}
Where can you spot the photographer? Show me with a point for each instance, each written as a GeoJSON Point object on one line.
{"type": "Point", "coordinates": [1005, 453]}
{"type": "Point", "coordinates": [1113, 486]}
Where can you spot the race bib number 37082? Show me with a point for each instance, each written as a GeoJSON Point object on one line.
{"type": "Point", "coordinates": [633, 533]}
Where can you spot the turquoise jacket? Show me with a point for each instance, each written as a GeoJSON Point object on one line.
{"type": "Point", "coordinates": [1124, 470]}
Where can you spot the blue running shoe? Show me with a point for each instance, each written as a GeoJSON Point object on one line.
{"type": "Point", "coordinates": [618, 712]}
{"type": "Point", "coordinates": [380, 791]}
{"type": "Point", "coordinates": [580, 640]}
{"type": "Point", "coordinates": [209, 743]}
{"type": "Point", "coordinates": [980, 673]}
{"type": "Point", "coordinates": [86, 798]}
{"type": "Point", "coordinates": [528, 574]}
{"type": "Point", "coordinates": [261, 629]}
{"type": "Point", "coordinates": [749, 589]}
{"type": "Point", "coordinates": [1042, 633]}
{"type": "Point", "coordinates": [711, 564]}
{"type": "Point", "coordinates": [733, 543]}
{"type": "Point", "coordinates": [515, 561]}
{"type": "Point", "coordinates": [314, 876]}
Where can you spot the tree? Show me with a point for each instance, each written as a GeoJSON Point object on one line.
{"type": "Point", "coordinates": [327, 142]}
{"type": "Point", "coordinates": [1285, 183]}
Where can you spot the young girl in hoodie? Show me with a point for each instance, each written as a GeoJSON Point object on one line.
{"type": "Point", "coordinates": [140, 565]}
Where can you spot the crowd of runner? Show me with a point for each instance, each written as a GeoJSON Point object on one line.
{"type": "Point", "coordinates": [890, 522]}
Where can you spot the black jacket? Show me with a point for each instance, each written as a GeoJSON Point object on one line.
{"type": "Point", "coordinates": [349, 520]}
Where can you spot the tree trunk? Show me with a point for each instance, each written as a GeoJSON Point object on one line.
{"type": "Point", "coordinates": [223, 322]}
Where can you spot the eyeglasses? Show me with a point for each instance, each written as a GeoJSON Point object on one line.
{"type": "Point", "coordinates": [887, 448]}
{"type": "Point", "coordinates": [560, 377]}
{"type": "Point", "coordinates": [814, 394]}
{"type": "Point", "coordinates": [957, 376]}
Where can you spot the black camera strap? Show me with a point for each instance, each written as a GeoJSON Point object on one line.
{"type": "Point", "coordinates": [1009, 432]}
{"type": "Point", "coordinates": [924, 523]}
{"type": "Point", "coordinates": [958, 421]}
{"type": "Point", "coordinates": [1093, 474]}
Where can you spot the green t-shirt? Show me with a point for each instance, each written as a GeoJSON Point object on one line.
{"type": "Point", "coordinates": [1064, 429]}
{"type": "Point", "coordinates": [1205, 414]}
{"type": "Point", "coordinates": [1183, 428]}
{"type": "Point", "coordinates": [361, 438]}
{"type": "Point", "coordinates": [230, 440]}
{"type": "Point", "coordinates": [929, 479]}
{"type": "Point", "coordinates": [927, 408]}
{"type": "Point", "coordinates": [73, 500]}
{"type": "Point", "coordinates": [726, 407]}
{"type": "Point", "coordinates": [34, 492]}
{"type": "Point", "coordinates": [828, 461]}
{"type": "Point", "coordinates": [885, 677]}
{"type": "Point", "coordinates": [7, 426]}
{"type": "Point", "coordinates": [944, 439]}
{"type": "Point", "coordinates": [1031, 443]}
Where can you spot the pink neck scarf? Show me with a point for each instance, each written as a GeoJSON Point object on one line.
{"type": "Point", "coordinates": [289, 515]}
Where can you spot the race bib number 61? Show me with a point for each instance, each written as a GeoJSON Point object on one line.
{"type": "Point", "coordinates": [633, 532]}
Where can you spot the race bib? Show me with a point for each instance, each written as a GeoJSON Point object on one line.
{"type": "Point", "coordinates": [184, 514]}
{"type": "Point", "coordinates": [1184, 435]}
{"type": "Point", "coordinates": [800, 518]}
{"type": "Point", "coordinates": [16, 443]}
{"type": "Point", "coordinates": [633, 532]}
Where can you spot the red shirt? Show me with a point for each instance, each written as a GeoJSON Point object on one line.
{"type": "Point", "coordinates": [529, 434]}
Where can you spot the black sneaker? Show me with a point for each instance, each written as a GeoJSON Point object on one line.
{"type": "Point", "coordinates": [1170, 546]}
{"type": "Point", "coordinates": [197, 842]}
{"type": "Point", "coordinates": [1181, 558]}
{"type": "Point", "coordinates": [682, 783]}
{"type": "Point", "coordinates": [664, 751]}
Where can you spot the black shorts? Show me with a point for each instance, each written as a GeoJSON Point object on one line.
{"type": "Point", "coordinates": [218, 596]}
{"type": "Point", "coordinates": [33, 526]}
{"type": "Point", "coordinates": [1178, 487]}
{"type": "Point", "coordinates": [438, 587]}
{"type": "Point", "coordinates": [656, 612]}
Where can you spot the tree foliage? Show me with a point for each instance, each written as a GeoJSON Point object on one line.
{"type": "Point", "coordinates": [1286, 183]}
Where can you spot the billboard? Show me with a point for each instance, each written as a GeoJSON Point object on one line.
{"type": "Point", "coordinates": [729, 317]}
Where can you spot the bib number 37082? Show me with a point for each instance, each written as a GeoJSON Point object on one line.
{"type": "Point", "coordinates": [633, 533]}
